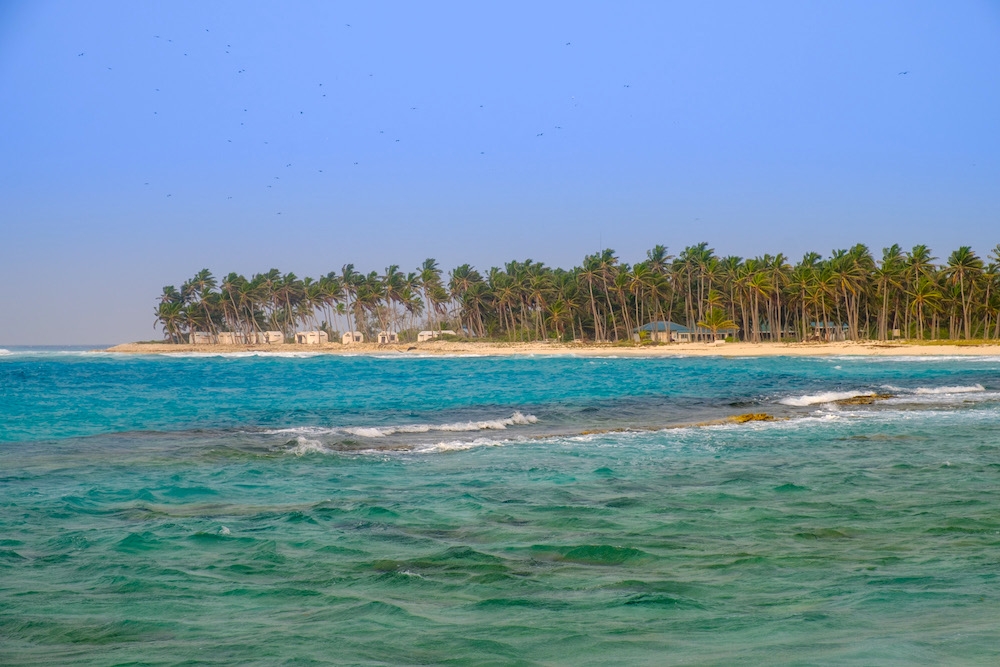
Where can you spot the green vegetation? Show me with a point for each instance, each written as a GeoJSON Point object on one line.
{"type": "Point", "coordinates": [848, 296]}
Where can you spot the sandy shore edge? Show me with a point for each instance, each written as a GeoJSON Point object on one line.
{"type": "Point", "coordinates": [443, 348]}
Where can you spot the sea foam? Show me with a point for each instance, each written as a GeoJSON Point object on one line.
{"type": "Point", "coordinates": [950, 390]}
{"type": "Point", "coordinates": [901, 394]}
{"type": "Point", "coordinates": [516, 419]}
{"type": "Point", "coordinates": [824, 397]}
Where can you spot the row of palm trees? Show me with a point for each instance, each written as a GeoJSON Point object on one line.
{"type": "Point", "coordinates": [851, 295]}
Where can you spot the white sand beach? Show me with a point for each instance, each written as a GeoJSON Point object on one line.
{"type": "Point", "coordinates": [451, 348]}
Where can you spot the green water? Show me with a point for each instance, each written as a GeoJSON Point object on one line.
{"type": "Point", "coordinates": [319, 523]}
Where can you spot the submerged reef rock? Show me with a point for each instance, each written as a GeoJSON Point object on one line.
{"type": "Point", "coordinates": [866, 399]}
{"type": "Point", "coordinates": [753, 417]}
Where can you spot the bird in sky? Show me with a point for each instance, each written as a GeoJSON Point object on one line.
{"type": "Point", "coordinates": [906, 72]}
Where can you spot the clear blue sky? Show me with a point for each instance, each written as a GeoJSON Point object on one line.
{"type": "Point", "coordinates": [143, 141]}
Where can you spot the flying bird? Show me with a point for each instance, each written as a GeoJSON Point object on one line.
{"type": "Point", "coordinates": [906, 72]}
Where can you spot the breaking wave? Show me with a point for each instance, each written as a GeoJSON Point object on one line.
{"type": "Point", "coordinates": [825, 397]}
{"type": "Point", "coordinates": [237, 355]}
{"type": "Point", "coordinates": [305, 446]}
{"type": "Point", "coordinates": [516, 419]}
{"type": "Point", "coordinates": [950, 390]}
{"type": "Point", "coordinates": [901, 393]}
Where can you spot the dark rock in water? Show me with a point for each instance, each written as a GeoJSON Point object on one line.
{"type": "Point", "coordinates": [867, 399]}
{"type": "Point", "coordinates": [753, 417]}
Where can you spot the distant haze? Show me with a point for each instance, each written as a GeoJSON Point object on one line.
{"type": "Point", "coordinates": [145, 141]}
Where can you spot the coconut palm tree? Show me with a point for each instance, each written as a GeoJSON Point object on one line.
{"type": "Point", "coordinates": [716, 319]}
{"type": "Point", "coordinates": [964, 266]}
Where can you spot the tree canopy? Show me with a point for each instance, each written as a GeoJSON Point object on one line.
{"type": "Point", "coordinates": [849, 295]}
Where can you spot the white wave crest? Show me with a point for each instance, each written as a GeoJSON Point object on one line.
{"type": "Point", "coordinates": [516, 419]}
{"type": "Point", "coordinates": [306, 446]}
{"type": "Point", "coordinates": [968, 389]}
{"type": "Point", "coordinates": [459, 445]}
{"type": "Point", "coordinates": [4, 352]}
{"type": "Point", "coordinates": [901, 394]}
{"type": "Point", "coordinates": [824, 397]}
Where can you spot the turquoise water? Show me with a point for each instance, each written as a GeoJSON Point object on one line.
{"type": "Point", "coordinates": [365, 510]}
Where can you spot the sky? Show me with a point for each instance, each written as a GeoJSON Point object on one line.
{"type": "Point", "coordinates": [143, 142]}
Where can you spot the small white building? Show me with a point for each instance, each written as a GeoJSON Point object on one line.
{"type": "Point", "coordinates": [311, 337]}
{"type": "Point", "coordinates": [200, 338]}
{"type": "Point", "coordinates": [387, 337]}
{"type": "Point", "coordinates": [268, 337]}
{"type": "Point", "coordinates": [232, 338]}
{"type": "Point", "coordinates": [352, 337]}
{"type": "Point", "coordinates": [424, 336]}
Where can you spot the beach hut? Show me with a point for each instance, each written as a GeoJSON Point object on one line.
{"type": "Point", "coordinates": [828, 331]}
{"type": "Point", "coordinates": [268, 337]}
{"type": "Point", "coordinates": [232, 338]}
{"type": "Point", "coordinates": [352, 337]}
{"type": "Point", "coordinates": [424, 336]}
{"type": "Point", "coordinates": [671, 332]}
{"type": "Point", "coordinates": [660, 332]}
{"type": "Point", "coordinates": [311, 337]}
{"type": "Point", "coordinates": [387, 337]}
{"type": "Point", "coordinates": [200, 338]}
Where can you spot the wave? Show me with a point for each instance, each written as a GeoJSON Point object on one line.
{"type": "Point", "coordinates": [516, 419]}
{"type": "Point", "coordinates": [237, 355]}
{"type": "Point", "coordinates": [460, 445]}
{"type": "Point", "coordinates": [901, 393]}
{"type": "Point", "coordinates": [305, 446]}
{"type": "Point", "coordinates": [929, 358]}
{"type": "Point", "coordinates": [824, 397]}
{"type": "Point", "coordinates": [56, 353]}
{"type": "Point", "coordinates": [950, 390]}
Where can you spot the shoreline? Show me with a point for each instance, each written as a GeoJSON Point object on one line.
{"type": "Point", "coordinates": [448, 348]}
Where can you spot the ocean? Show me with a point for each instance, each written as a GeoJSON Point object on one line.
{"type": "Point", "coordinates": [397, 509]}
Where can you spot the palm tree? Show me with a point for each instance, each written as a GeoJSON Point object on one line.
{"type": "Point", "coordinates": [716, 319]}
{"type": "Point", "coordinates": [169, 315]}
{"type": "Point", "coordinates": [923, 297]}
{"type": "Point", "coordinates": [964, 266]}
{"type": "Point", "coordinates": [429, 276]}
